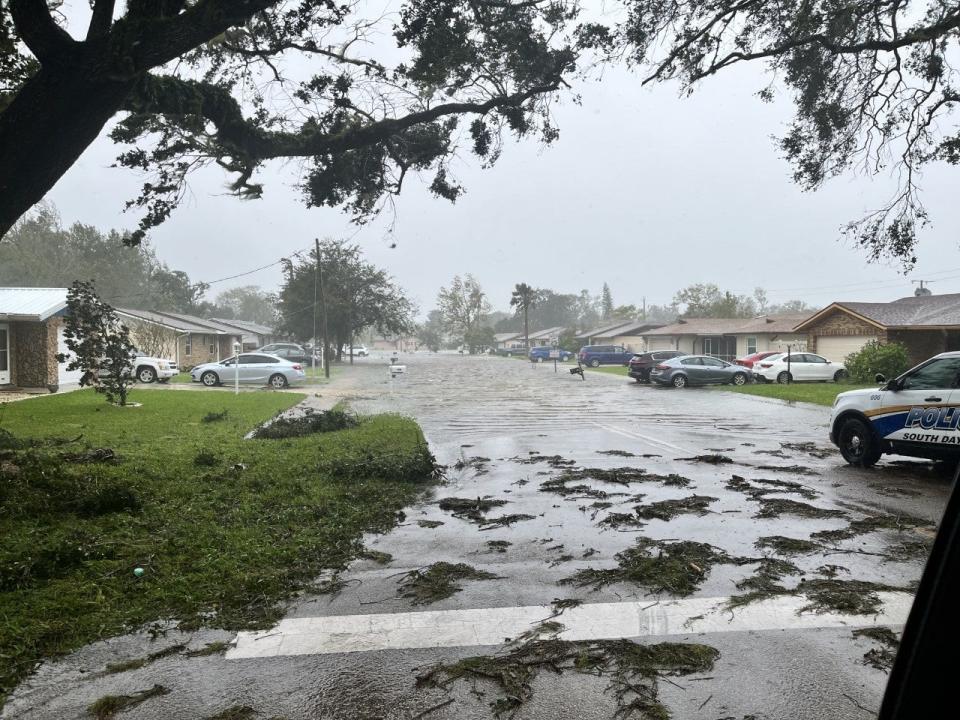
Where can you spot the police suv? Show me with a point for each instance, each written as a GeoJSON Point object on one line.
{"type": "Point", "coordinates": [915, 414]}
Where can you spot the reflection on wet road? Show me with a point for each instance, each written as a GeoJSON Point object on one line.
{"type": "Point", "coordinates": [694, 516]}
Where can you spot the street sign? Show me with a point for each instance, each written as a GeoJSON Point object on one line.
{"type": "Point", "coordinates": [554, 353]}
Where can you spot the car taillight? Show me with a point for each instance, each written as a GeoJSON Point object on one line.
{"type": "Point", "coordinates": [663, 367]}
{"type": "Point", "coordinates": [766, 365]}
{"type": "Point", "coordinates": [298, 367]}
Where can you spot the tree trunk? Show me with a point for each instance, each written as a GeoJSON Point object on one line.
{"type": "Point", "coordinates": [50, 123]}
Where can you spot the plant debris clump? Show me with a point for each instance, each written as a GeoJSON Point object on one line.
{"type": "Point", "coordinates": [429, 524]}
{"type": "Point", "coordinates": [796, 469]}
{"type": "Point", "coordinates": [137, 663]}
{"type": "Point", "coordinates": [882, 656]}
{"type": "Point", "coordinates": [477, 463]}
{"type": "Point", "coordinates": [786, 546]}
{"type": "Point", "coordinates": [677, 568]}
{"type": "Point", "coordinates": [712, 459]}
{"type": "Point", "coordinates": [505, 521]}
{"type": "Point", "coordinates": [214, 416]}
{"type": "Point", "coordinates": [870, 524]}
{"type": "Point", "coordinates": [378, 556]}
{"type": "Point", "coordinates": [534, 457]}
{"type": "Point", "coordinates": [473, 509]}
{"type": "Point", "coordinates": [633, 669]}
{"type": "Point", "coordinates": [809, 448]}
{"type": "Point", "coordinates": [205, 458]}
{"type": "Point", "coordinates": [616, 453]}
{"type": "Point", "coordinates": [740, 484]}
{"type": "Point", "coordinates": [438, 581]}
{"type": "Point", "coordinates": [669, 509]}
{"type": "Point", "coordinates": [855, 597]}
{"type": "Point", "coordinates": [775, 507]}
{"type": "Point", "coordinates": [618, 520]}
{"type": "Point", "coordinates": [499, 546]}
{"type": "Point", "coordinates": [311, 422]}
{"type": "Point", "coordinates": [235, 712]}
{"type": "Point", "coordinates": [764, 583]}
{"type": "Point", "coordinates": [109, 705]}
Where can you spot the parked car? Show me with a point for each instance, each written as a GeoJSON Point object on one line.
{"type": "Point", "coordinates": [288, 351]}
{"type": "Point", "coordinates": [597, 355]}
{"type": "Point", "coordinates": [254, 369]}
{"type": "Point", "coordinates": [640, 365]}
{"type": "Point", "coordinates": [541, 354]}
{"type": "Point", "coordinates": [750, 360]}
{"type": "Point", "coordinates": [358, 350]}
{"type": "Point", "coordinates": [698, 370]}
{"type": "Point", "coordinates": [914, 414]}
{"type": "Point", "coordinates": [148, 369]}
{"type": "Point", "coordinates": [803, 367]}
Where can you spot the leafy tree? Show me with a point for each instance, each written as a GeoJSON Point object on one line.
{"type": "Point", "coordinates": [890, 359]}
{"type": "Point", "coordinates": [522, 299]}
{"type": "Point", "coordinates": [430, 333]}
{"type": "Point", "coordinates": [39, 252]}
{"type": "Point", "coordinates": [606, 303]}
{"type": "Point", "coordinates": [463, 306]}
{"type": "Point", "coordinates": [588, 315]}
{"type": "Point", "coordinates": [551, 309]}
{"type": "Point", "coordinates": [872, 84]}
{"type": "Point", "coordinates": [479, 339]}
{"type": "Point", "coordinates": [248, 303]}
{"type": "Point", "coordinates": [239, 83]}
{"type": "Point", "coordinates": [791, 307]}
{"type": "Point", "coordinates": [98, 341]}
{"type": "Point", "coordinates": [626, 312]}
{"type": "Point", "coordinates": [706, 300]}
{"type": "Point", "coordinates": [355, 294]}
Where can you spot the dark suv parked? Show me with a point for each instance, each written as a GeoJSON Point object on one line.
{"type": "Point", "coordinates": [597, 355]}
{"type": "Point", "coordinates": [641, 364]}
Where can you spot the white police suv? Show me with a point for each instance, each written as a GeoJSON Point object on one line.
{"type": "Point", "coordinates": [915, 414]}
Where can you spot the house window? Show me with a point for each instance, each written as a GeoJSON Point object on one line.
{"type": "Point", "coordinates": [751, 345]}
{"type": "Point", "coordinates": [213, 347]}
{"type": "Point", "coordinates": [188, 345]}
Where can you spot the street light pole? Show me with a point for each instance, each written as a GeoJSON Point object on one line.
{"type": "Point", "coordinates": [323, 313]}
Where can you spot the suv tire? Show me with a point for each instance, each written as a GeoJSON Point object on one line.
{"type": "Point", "coordinates": [858, 443]}
{"type": "Point", "coordinates": [595, 363]}
{"type": "Point", "coordinates": [146, 374]}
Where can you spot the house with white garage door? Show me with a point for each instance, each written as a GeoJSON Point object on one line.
{"type": "Point", "coordinates": [925, 324]}
{"type": "Point", "coordinates": [31, 336]}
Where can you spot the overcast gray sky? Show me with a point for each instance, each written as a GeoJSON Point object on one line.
{"type": "Point", "coordinates": [644, 190]}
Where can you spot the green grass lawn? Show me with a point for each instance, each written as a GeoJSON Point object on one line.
{"type": "Point", "coordinates": [224, 528]}
{"type": "Point", "coordinates": [818, 393]}
{"type": "Point", "coordinates": [610, 369]}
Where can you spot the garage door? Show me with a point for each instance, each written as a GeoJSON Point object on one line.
{"type": "Point", "coordinates": [66, 377]}
{"type": "Point", "coordinates": [659, 343]}
{"type": "Point", "coordinates": [837, 347]}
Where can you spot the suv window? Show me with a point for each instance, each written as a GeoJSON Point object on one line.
{"type": "Point", "coordinates": [941, 373]}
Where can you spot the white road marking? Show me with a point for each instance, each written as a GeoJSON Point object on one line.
{"type": "Point", "coordinates": [594, 621]}
{"type": "Point", "coordinates": [639, 436]}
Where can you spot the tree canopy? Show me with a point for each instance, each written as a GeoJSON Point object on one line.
{"type": "Point", "coordinates": [463, 307]}
{"type": "Point", "coordinates": [360, 102]}
{"type": "Point", "coordinates": [871, 81]}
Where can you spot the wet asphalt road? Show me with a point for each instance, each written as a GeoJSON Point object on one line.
{"type": "Point", "coordinates": [505, 410]}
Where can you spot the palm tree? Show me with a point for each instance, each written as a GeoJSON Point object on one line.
{"type": "Point", "coordinates": [523, 298]}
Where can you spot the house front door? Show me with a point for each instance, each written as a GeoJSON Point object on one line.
{"type": "Point", "coordinates": [4, 354]}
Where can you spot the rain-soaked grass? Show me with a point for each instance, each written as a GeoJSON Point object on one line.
{"type": "Point", "coordinates": [775, 507]}
{"type": "Point", "coordinates": [677, 568]}
{"type": "Point", "coordinates": [109, 705]}
{"type": "Point", "coordinates": [219, 546]}
{"type": "Point", "coordinates": [884, 653]}
{"type": "Point", "coordinates": [786, 545]}
{"type": "Point", "coordinates": [439, 581]}
{"type": "Point", "coordinates": [632, 668]}
{"type": "Point", "coordinates": [137, 663]}
{"type": "Point", "coordinates": [669, 509]}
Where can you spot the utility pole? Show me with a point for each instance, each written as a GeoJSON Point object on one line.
{"type": "Point", "coordinates": [644, 307]}
{"type": "Point", "coordinates": [323, 312]}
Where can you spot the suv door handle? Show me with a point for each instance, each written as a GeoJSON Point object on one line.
{"type": "Point", "coordinates": [932, 399]}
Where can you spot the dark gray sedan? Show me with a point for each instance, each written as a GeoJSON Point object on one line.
{"type": "Point", "coordinates": [698, 370]}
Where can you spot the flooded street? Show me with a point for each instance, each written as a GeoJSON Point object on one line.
{"type": "Point", "coordinates": [613, 510]}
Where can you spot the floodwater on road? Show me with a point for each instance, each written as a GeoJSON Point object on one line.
{"type": "Point", "coordinates": [685, 516]}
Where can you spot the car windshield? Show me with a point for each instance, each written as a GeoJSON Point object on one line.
{"type": "Point", "coordinates": [472, 358]}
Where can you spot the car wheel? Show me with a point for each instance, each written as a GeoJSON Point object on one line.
{"type": "Point", "coordinates": [840, 376]}
{"type": "Point", "coordinates": [594, 363]}
{"type": "Point", "coordinates": [739, 378]}
{"type": "Point", "coordinates": [783, 378]}
{"type": "Point", "coordinates": [146, 374]}
{"type": "Point", "coordinates": [679, 381]}
{"type": "Point", "coordinates": [209, 378]}
{"type": "Point", "coordinates": [858, 444]}
{"type": "Point", "coordinates": [278, 381]}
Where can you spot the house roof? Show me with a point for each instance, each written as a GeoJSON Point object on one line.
{"type": "Point", "coordinates": [246, 325]}
{"type": "Point", "coordinates": [601, 330]}
{"type": "Point", "coordinates": [30, 303]}
{"type": "Point", "coordinates": [627, 328]}
{"type": "Point", "coordinates": [765, 324]}
{"type": "Point", "coordinates": [504, 337]}
{"type": "Point", "coordinates": [548, 333]}
{"type": "Point", "coordinates": [931, 311]}
{"type": "Point", "coordinates": [180, 323]}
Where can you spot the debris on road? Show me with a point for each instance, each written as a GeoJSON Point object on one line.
{"type": "Point", "coordinates": [109, 705]}
{"type": "Point", "coordinates": [438, 581]}
{"type": "Point", "coordinates": [883, 654]}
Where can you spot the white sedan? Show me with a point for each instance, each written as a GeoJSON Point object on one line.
{"type": "Point", "coordinates": [803, 367]}
{"type": "Point", "coordinates": [254, 369]}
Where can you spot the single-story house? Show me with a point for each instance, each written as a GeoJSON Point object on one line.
{"type": "Point", "coordinates": [405, 343]}
{"type": "Point", "coordinates": [628, 333]}
{"type": "Point", "coordinates": [729, 338]}
{"type": "Point", "coordinates": [254, 335]}
{"type": "Point", "coordinates": [546, 337]}
{"type": "Point", "coordinates": [509, 341]}
{"type": "Point", "coordinates": [925, 324]}
{"type": "Point", "coordinates": [188, 340]}
{"type": "Point", "coordinates": [31, 337]}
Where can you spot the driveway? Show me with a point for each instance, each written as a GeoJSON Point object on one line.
{"type": "Point", "coordinates": [719, 521]}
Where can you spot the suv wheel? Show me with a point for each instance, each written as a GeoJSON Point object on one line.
{"type": "Point", "coordinates": [595, 363]}
{"type": "Point", "coordinates": [858, 444]}
{"type": "Point", "coordinates": [679, 381]}
{"type": "Point", "coordinates": [146, 374]}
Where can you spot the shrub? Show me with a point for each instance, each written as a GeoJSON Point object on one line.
{"type": "Point", "coordinates": [890, 359]}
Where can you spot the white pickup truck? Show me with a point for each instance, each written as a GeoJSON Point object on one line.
{"type": "Point", "coordinates": [148, 369]}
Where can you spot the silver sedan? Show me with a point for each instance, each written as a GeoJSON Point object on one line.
{"type": "Point", "coordinates": [253, 369]}
{"type": "Point", "coordinates": [698, 370]}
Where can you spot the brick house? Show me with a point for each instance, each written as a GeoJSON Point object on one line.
{"type": "Point", "coordinates": [31, 337]}
{"type": "Point", "coordinates": [729, 338]}
{"type": "Point", "coordinates": [186, 339]}
{"type": "Point", "coordinates": [925, 324]}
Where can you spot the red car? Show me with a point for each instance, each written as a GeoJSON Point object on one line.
{"type": "Point", "coordinates": [749, 360]}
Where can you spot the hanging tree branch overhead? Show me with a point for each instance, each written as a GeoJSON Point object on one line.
{"type": "Point", "coordinates": [237, 83]}
{"type": "Point", "coordinates": [872, 85]}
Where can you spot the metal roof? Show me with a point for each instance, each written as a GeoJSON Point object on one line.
{"type": "Point", "coordinates": [246, 326]}
{"type": "Point", "coordinates": [30, 303]}
{"type": "Point", "coordinates": [174, 323]}
{"type": "Point", "coordinates": [548, 333]}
